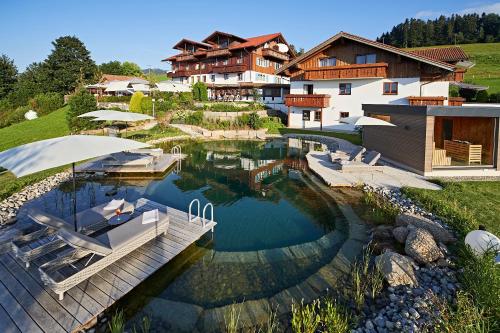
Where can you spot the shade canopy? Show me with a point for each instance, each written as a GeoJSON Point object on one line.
{"type": "Point", "coordinates": [123, 116]}
{"type": "Point", "coordinates": [47, 154]}
{"type": "Point", "coordinates": [365, 121]}
{"type": "Point", "coordinates": [169, 86]}
{"type": "Point", "coordinates": [98, 113]}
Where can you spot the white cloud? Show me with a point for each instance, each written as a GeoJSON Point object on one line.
{"type": "Point", "coordinates": [490, 8]}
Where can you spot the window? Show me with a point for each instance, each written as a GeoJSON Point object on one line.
{"type": "Point", "coordinates": [202, 66]}
{"type": "Point", "coordinates": [369, 58]}
{"type": "Point", "coordinates": [225, 62]}
{"type": "Point", "coordinates": [327, 62]}
{"type": "Point", "coordinates": [262, 62]}
{"type": "Point", "coordinates": [226, 76]}
{"type": "Point", "coordinates": [187, 67]}
{"type": "Point", "coordinates": [308, 89]}
{"type": "Point", "coordinates": [261, 77]}
{"type": "Point", "coordinates": [277, 65]}
{"type": "Point", "coordinates": [197, 66]}
{"type": "Point", "coordinates": [204, 78]}
{"type": "Point", "coordinates": [198, 78]}
{"type": "Point", "coordinates": [344, 114]}
{"type": "Point", "coordinates": [240, 76]}
{"type": "Point", "coordinates": [277, 79]}
{"type": "Point", "coordinates": [344, 88]}
{"type": "Point", "coordinates": [224, 44]}
{"type": "Point", "coordinates": [317, 115]}
{"type": "Point", "coordinates": [212, 77]}
{"type": "Point", "coordinates": [239, 60]}
{"type": "Point", "coordinates": [306, 115]}
{"type": "Point", "coordinates": [390, 88]}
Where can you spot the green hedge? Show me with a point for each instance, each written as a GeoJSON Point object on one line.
{"type": "Point", "coordinates": [46, 103]}
{"type": "Point", "coordinates": [10, 117]}
{"type": "Point", "coordinates": [81, 102]}
{"type": "Point", "coordinates": [231, 107]}
{"type": "Point", "coordinates": [115, 99]}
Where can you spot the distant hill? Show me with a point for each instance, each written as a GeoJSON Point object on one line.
{"type": "Point", "coordinates": [456, 29]}
{"type": "Point", "coordinates": [155, 71]}
{"type": "Point", "coordinates": [486, 72]}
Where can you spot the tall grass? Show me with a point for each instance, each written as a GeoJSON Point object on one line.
{"type": "Point", "coordinates": [117, 322]}
{"type": "Point", "coordinates": [320, 316]}
{"type": "Point", "coordinates": [380, 211]}
{"type": "Point", "coordinates": [463, 317]}
{"type": "Point", "coordinates": [232, 318]}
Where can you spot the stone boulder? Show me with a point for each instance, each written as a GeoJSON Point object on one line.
{"type": "Point", "coordinates": [440, 234]}
{"type": "Point", "coordinates": [397, 269]}
{"type": "Point", "coordinates": [420, 245]}
{"type": "Point", "coordinates": [400, 234]}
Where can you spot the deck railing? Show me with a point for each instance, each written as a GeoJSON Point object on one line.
{"type": "Point", "coordinates": [312, 100]}
{"type": "Point", "coordinates": [268, 52]}
{"type": "Point", "coordinates": [377, 70]}
{"type": "Point", "coordinates": [426, 100]}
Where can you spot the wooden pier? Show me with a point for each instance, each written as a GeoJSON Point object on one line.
{"type": "Point", "coordinates": [26, 305]}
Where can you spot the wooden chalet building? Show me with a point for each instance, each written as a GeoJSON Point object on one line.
{"type": "Point", "coordinates": [232, 66]}
{"type": "Point", "coordinates": [335, 78]}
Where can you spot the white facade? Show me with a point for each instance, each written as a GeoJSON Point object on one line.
{"type": "Point", "coordinates": [234, 78]}
{"type": "Point", "coordinates": [363, 91]}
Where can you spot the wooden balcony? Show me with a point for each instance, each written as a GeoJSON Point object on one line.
{"type": "Point", "coordinates": [218, 53]}
{"type": "Point", "coordinates": [426, 100]}
{"type": "Point", "coordinates": [308, 101]}
{"type": "Point", "coordinates": [185, 57]}
{"type": "Point", "coordinates": [357, 71]}
{"type": "Point", "coordinates": [180, 73]}
{"type": "Point", "coordinates": [237, 68]}
{"type": "Point", "coordinates": [267, 52]}
{"type": "Point", "coordinates": [456, 101]}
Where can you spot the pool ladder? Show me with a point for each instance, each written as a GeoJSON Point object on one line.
{"type": "Point", "coordinates": [176, 151]}
{"type": "Point", "coordinates": [193, 218]}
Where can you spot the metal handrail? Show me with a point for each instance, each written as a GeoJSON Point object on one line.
{"type": "Point", "coordinates": [191, 219]}
{"type": "Point", "coordinates": [176, 151]}
{"type": "Point", "coordinates": [211, 213]}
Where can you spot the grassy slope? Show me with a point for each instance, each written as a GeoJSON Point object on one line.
{"type": "Point", "coordinates": [467, 203]}
{"type": "Point", "coordinates": [486, 72]}
{"type": "Point", "coordinates": [46, 127]}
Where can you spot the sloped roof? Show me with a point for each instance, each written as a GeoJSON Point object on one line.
{"type": "Point", "coordinates": [256, 41]}
{"type": "Point", "coordinates": [118, 86]}
{"type": "Point", "coordinates": [189, 41]}
{"type": "Point", "coordinates": [215, 33]}
{"type": "Point", "coordinates": [362, 40]}
{"type": "Point", "coordinates": [112, 77]}
{"type": "Point", "coordinates": [446, 54]}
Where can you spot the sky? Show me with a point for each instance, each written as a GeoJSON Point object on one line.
{"type": "Point", "coordinates": [145, 31]}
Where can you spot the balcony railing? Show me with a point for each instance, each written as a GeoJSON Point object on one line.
{"type": "Point", "coordinates": [426, 100]}
{"type": "Point", "coordinates": [456, 101]}
{"type": "Point", "coordinates": [377, 70]}
{"type": "Point", "coordinates": [308, 101]}
{"type": "Point", "coordinates": [229, 68]}
{"type": "Point", "coordinates": [218, 53]}
{"type": "Point", "coordinates": [185, 57]}
{"type": "Point", "coordinates": [267, 52]}
{"type": "Point", "coordinates": [180, 73]}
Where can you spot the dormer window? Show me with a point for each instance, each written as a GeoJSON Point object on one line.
{"type": "Point", "coordinates": [325, 62]}
{"type": "Point", "coordinates": [224, 44]}
{"type": "Point", "coordinates": [370, 58]}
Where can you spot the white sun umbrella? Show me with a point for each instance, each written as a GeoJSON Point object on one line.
{"type": "Point", "coordinates": [365, 121]}
{"type": "Point", "coordinates": [123, 116]}
{"type": "Point", "coordinates": [98, 113]}
{"type": "Point", "coordinates": [47, 154]}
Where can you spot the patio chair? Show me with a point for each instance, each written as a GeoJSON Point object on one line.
{"type": "Point", "coordinates": [368, 164]}
{"type": "Point", "coordinates": [43, 241]}
{"type": "Point", "coordinates": [356, 154]}
{"type": "Point", "coordinates": [372, 158]}
{"type": "Point", "coordinates": [91, 255]}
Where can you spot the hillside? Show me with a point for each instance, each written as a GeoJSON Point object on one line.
{"type": "Point", "coordinates": [486, 72]}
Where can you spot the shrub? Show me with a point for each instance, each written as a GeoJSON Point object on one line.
{"type": "Point", "coordinates": [185, 99]}
{"type": "Point", "coordinates": [495, 98]}
{"type": "Point", "coordinates": [10, 117]}
{"type": "Point", "coordinates": [147, 105]}
{"type": "Point", "coordinates": [482, 96]}
{"type": "Point", "coordinates": [200, 92]}
{"type": "Point", "coordinates": [135, 102]}
{"type": "Point", "coordinates": [115, 99]}
{"type": "Point", "coordinates": [194, 118]}
{"type": "Point", "coordinates": [81, 102]}
{"type": "Point", "coordinates": [273, 124]}
{"type": "Point", "coordinates": [46, 103]}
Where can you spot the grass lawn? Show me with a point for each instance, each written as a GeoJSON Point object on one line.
{"type": "Point", "coordinates": [465, 204]}
{"type": "Point", "coordinates": [353, 138]}
{"type": "Point", "coordinates": [486, 72]}
{"type": "Point", "coordinates": [46, 127]}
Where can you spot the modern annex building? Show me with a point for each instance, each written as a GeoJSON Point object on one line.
{"type": "Point", "coordinates": [334, 79]}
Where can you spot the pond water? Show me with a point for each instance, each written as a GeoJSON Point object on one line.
{"type": "Point", "coordinates": [263, 203]}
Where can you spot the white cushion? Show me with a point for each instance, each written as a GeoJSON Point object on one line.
{"type": "Point", "coordinates": [114, 204]}
{"type": "Point", "coordinates": [150, 216]}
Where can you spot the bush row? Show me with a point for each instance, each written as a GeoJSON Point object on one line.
{"type": "Point", "coordinates": [230, 107]}
{"type": "Point", "coordinates": [164, 102]}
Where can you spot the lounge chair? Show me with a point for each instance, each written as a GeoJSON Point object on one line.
{"type": "Point", "coordinates": [124, 159]}
{"type": "Point", "coordinates": [43, 241]}
{"type": "Point", "coordinates": [367, 164]}
{"type": "Point", "coordinates": [372, 158]}
{"type": "Point", "coordinates": [90, 255]}
{"type": "Point", "coordinates": [356, 154]}
{"type": "Point", "coordinates": [155, 152]}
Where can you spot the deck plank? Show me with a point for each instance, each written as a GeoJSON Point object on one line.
{"type": "Point", "coordinates": [27, 305]}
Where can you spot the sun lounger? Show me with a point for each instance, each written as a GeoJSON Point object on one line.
{"type": "Point", "coordinates": [41, 242]}
{"type": "Point", "coordinates": [372, 158]}
{"type": "Point", "coordinates": [91, 255]}
{"type": "Point", "coordinates": [356, 154]}
{"type": "Point", "coordinates": [123, 159]}
{"type": "Point", "coordinates": [368, 164]}
{"type": "Point", "coordinates": [155, 152]}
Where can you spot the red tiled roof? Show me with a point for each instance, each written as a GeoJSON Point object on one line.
{"type": "Point", "coordinates": [255, 41]}
{"type": "Point", "coordinates": [446, 54]}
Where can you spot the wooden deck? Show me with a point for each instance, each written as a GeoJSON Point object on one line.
{"type": "Point", "coordinates": [160, 166]}
{"type": "Point", "coordinates": [26, 305]}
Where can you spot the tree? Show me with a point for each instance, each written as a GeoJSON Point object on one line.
{"type": "Point", "coordinates": [69, 64]}
{"type": "Point", "coordinates": [32, 81]}
{"type": "Point", "coordinates": [200, 92]}
{"type": "Point", "coordinates": [81, 102]}
{"type": "Point", "coordinates": [112, 67]}
{"type": "Point", "coordinates": [136, 102]}
{"type": "Point", "coordinates": [8, 75]}
{"type": "Point", "coordinates": [298, 52]}
{"type": "Point", "coordinates": [131, 69]}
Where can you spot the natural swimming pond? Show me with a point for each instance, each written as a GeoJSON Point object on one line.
{"type": "Point", "coordinates": [275, 228]}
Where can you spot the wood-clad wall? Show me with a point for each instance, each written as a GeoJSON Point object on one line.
{"type": "Point", "coordinates": [405, 143]}
{"type": "Point", "coordinates": [478, 131]}
{"type": "Point", "coordinates": [346, 50]}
